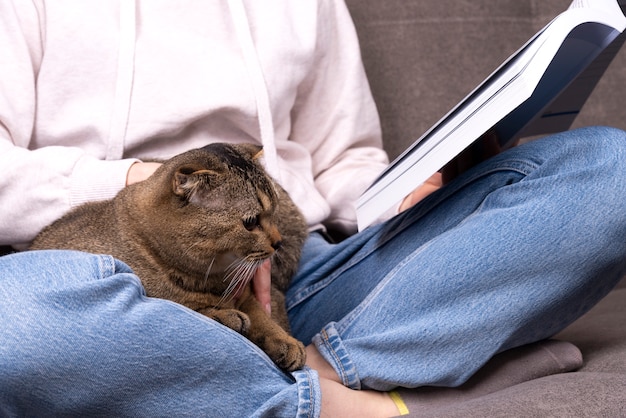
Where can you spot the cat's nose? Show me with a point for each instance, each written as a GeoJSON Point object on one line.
{"type": "Point", "coordinates": [277, 245]}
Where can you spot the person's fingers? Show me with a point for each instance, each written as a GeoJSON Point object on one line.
{"type": "Point", "coordinates": [262, 284]}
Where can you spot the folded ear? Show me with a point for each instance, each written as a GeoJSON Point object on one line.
{"type": "Point", "coordinates": [187, 180]}
{"type": "Point", "coordinates": [258, 155]}
{"type": "Point", "coordinates": [252, 151]}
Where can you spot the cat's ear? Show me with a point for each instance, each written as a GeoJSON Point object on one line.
{"type": "Point", "coordinates": [187, 180]}
{"type": "Point", "coordinates": [253, 151]}
{"type": "Point", "coordinates": [258, 155]}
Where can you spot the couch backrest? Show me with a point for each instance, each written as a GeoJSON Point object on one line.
{"type": "Point", "coordinates": [423, 56]}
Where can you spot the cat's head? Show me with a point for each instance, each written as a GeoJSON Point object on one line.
{"type": "Point", "coordinates": [213, 209]}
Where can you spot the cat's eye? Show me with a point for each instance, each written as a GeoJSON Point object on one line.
{"type": "Point", "coordinates": [251, 222]}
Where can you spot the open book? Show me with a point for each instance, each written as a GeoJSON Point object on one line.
{"type": "Point", "coordinates": [538, 90]}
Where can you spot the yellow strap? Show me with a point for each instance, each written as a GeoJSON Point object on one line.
{"type": "Point", "coordinates": [397, 399]}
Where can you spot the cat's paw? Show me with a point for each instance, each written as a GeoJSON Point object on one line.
{"type": "Point", "coordinates": [233, 319]}
{"type": "Point", "coordinates": [287, 352]}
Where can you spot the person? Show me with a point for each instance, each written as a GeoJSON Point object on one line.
{"type": "Point", "coordinates": [508, 252]}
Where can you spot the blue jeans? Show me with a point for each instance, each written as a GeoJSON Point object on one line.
{"type": "Point", "coordinates": [511, 252]}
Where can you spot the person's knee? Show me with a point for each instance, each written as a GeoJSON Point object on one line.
{"type": "Point", "coordinates": [594, 155]}
{"type": "Point", "coordinates": [608, 146]}
{"type": "Point", "coordinates": [604, 144]}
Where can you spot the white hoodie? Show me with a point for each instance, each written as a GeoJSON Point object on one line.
{"type": "Point", "coordinates": [88, 87]}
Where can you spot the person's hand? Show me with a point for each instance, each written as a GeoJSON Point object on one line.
{"type": "Point", "coordinates": [429, 186]}
{"type": "Point", "coordinates": [480, 150]}
{"type": "Point", "coordinates": [262, 284]}
{"type": "Point", "coordinates": [140, 171]}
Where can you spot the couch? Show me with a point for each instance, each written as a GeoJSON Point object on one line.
{"type": "Point", "coordinates": [422, 57]}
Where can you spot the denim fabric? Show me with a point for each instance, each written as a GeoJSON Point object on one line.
{"type": "Point", "coordinates": [80, 338]}
{"type": "Point", "coordinates": [511, 252]}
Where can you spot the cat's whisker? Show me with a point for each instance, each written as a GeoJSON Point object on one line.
{"type": "Point", "coordinates": [233, 268]}
{"type": "Point", "coordinates": [188, 249]}
{"type": "Point", "coordinates": [208, 273]}
{"type": "Point", "coordinates": [246, 275]}
{"type": "Point", "coordinates": [242, 278]}
{"type": "Point", "coordinates": [233, 276]}
{"type": "Point", "coordinates": [240, 273]}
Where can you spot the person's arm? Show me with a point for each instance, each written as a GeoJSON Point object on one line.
{"type": "Point", "coordinates": [140, 171]}
{"type": "Point", "coordinates": [38, 184]}
{"type": "Point", "coordinates": [335, 117]}
{"type": "Point", "coordinates": [38, 187]}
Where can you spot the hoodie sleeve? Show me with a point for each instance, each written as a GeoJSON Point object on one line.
{"type": "Point", "coordinates": [37, 186]}
{"type": "Point", "coordinates": [336, 119]}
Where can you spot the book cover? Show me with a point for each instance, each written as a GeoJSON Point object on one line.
{"type": "Point", "coordinates": [538, 90]}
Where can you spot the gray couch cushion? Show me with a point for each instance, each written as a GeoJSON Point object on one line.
{"type": "Point", "coordinates": [562, 395]}
{"type": "Point", "coordinates": [506, 369]}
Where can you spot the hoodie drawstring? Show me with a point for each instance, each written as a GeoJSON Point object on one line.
{"type": "Point", "coordinates": [124, 82]}
{"type": "Point", "coordinates": [253, 65]}
{"type": "Point", "coordinates": [125, 76]}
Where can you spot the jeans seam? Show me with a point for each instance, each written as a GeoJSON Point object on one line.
{"type": "Point", "coordinates": [331, 347]}
{"type": "Point", "coordinates": [309, 395]}
{"type": "Point", "coordinates": [106, 266]}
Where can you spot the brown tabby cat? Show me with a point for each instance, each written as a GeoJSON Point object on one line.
{"type": "Point", "coordinates": [195, 232]}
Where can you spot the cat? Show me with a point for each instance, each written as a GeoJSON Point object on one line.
{"type": "Point", "coordinates": [195, 232]}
